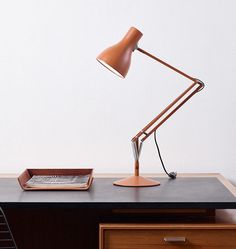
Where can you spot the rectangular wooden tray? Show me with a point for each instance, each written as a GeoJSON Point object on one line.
{"type": "Point", "coordinates": [28, 173]}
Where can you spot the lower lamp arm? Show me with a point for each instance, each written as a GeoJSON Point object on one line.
{"type": "Point", "coordinates": [141, 136]}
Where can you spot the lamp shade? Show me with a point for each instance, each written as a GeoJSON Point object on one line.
{"type": "Point", "coordinates": [118, 57]}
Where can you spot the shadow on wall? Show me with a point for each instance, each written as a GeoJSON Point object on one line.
{"type": "Point", "coordinates": [233, 182]}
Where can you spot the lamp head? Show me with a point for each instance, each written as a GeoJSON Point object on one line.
{"type": "Point", "coordinates": [118, 57]}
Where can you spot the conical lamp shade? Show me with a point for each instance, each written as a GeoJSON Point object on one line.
{"type": "Point", "coordinates": [118, 57]}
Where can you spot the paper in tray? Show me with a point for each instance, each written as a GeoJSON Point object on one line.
{"type": "Point", "coordinates": [56, 179]}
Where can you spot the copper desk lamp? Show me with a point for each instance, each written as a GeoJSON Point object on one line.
{"type": "Point", "coordinates": [117, 59]}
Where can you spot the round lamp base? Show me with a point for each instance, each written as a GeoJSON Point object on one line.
{"type": "Point", "coordinates": [136, 181]}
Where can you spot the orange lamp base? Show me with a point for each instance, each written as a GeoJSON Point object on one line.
{"type": "Point", "coordinates": [136, 181]}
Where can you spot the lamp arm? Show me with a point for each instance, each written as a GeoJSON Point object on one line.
{"type": "Point", "coordinates": [197, 84]}
{"type": "Point", "coordinates": [166, 64]}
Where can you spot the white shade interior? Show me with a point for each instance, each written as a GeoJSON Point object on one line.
{"type": "Point", "coordinates": [110, 68]}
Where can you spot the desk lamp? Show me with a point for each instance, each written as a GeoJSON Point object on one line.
{"type": "Point", "coordinates": [117, 59]}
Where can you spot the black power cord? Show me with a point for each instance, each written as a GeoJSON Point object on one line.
{"type": "Point", "coordinates": [172, 175]}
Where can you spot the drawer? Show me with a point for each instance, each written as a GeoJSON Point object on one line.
{"type": "Point", "coordinates": [167, 236]}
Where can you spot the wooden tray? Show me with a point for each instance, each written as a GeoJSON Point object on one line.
{"type": "Point", "coordinates": [28, 173]}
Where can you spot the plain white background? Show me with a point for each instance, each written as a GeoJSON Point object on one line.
{"type": "Point", "coordinates": [60, 108]}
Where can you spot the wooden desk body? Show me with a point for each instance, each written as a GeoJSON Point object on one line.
{"type": "Point", "coordinates": [177, 214]}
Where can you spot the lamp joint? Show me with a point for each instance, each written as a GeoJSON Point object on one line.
{"type": "Point", "coordinates": [202, 84]}
{"type": "Point", "coordinates": [135, 47]}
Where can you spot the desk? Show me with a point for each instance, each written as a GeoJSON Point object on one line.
{"type": "Point", "coordinates": [70, 219]}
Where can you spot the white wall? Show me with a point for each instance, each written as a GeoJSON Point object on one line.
{"type": "Point", "coordinates": [60, 108]}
